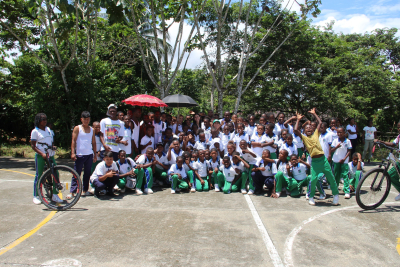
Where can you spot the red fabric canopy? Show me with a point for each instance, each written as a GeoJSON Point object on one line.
{"type": "Point", "coordinates": [144, 100]}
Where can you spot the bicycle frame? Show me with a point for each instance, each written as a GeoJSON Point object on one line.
{"type": "Point", "coordinates": [391, 160]}
{"type": "Point", "coordinates": [51, 166]}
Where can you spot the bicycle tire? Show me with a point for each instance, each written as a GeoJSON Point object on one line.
{"type": "Point", "coordinates": [42, 184]}
{"type": "Point", "coordinates": [366, 179]}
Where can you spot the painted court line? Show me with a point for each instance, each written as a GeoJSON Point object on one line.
{"type": "Point", "coordinates": [17, 172]}
{"type": "Point", "coordinates": [31, 232]}
{"type": "Point", "coordinates": [25, 236]}
{"type": "Point", "coordinates": [273, 253]}
{"type": "Point", "coordinates": [290, 239]}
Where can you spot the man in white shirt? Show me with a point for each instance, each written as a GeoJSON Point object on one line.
{"type": "Point", "coordinates": [112, 129]}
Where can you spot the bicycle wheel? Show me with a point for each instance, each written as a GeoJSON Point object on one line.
{"type": "Point", "coordinates": [47, 188]}
{"type": "Point", "coordinates": [373, 189]}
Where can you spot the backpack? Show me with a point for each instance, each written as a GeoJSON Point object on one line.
{"type": "Point", "coordinates": [130, 180]}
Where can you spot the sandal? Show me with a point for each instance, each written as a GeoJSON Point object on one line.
{"type": "Point", "coordinates": [70, 196]}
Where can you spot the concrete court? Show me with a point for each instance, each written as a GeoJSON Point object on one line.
{"type": "Point", "coordinates": [198, 229]}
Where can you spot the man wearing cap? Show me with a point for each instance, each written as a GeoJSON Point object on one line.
{"type": "Point", "coordinates": [112, 129]}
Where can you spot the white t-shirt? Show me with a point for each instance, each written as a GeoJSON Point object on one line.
{"type": "Point", "coordinates": [207, 133]}
{"type": "Point", "coordinates": [213, 164]}
{"type": "Point", "coordinates": [174, 169]}
{"type": "Point", "coordinates": [199, 145]}
{"type": "Point", "coordinates": [269, 139]}
{"type": "Point", "coordinates": [225, 138]}
{"type": "Point", "coordinates": [249, 158]}
{"type": "Point", "coordinates": [41, 136]}
{"type": "Point", "coordinates": [143, 160]}
{"type": "Point", "coordinates": [299, 171]}
{"type": "Point", "coordinates": [341, 152]}
{"type": "Point", "coordinates": [353, 129]}
{"type": "Point", "coordinates": [325, 140]}
{"type": "Point", "coordinates": [353, 169]}
{"type": "Point", "coordinates": [127, 136]}
{"type": "Point", "coordinates": [237, 138]}
{"type": "Point", "coordinates": [111, 131]}
{"type": "Point", "coordinates": [159, 128]}
{"type": "Point", "coordinates": [281, 167]}
{"type": "Point", "coordinates": [290, 149]}
{"type": "Point", "coordinates": [333, 132]}
{"type": "Point", "coordinates": [251, 129]}
{"type": "Point", "coordinates": [163, 159]}
{"type": "Point", "coordinates": [229, 172]}
{"type": "Point", "coordinates": [297, 141]}
{"type": "Point", "coordinates": [101, 169]}
{"type": "Point", "coordinates": [202, 167]}
{"type": "Point", "coordinates": [145, 140]}
{"type": "Point", "coordinates": [135, 133]}
{"type": "Point", "coordinates": [258, 139]}
{"type": "Point", "coordinates": [174, 156]}
{"type": "Point", "coordinates": [239, 166]}
{"type": "Point", "coordinates": [369, 133]}
{"type": "Point", "coordinates": [127, 166]}
{"type": "Point", "coordinates": [270, 168]}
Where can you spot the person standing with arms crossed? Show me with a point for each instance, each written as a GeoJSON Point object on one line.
{"type": "Point", "coordinates": [319, 163]}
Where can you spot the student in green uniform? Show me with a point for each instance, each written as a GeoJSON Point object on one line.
{"type": "Point", "coordinates": [319, 163]}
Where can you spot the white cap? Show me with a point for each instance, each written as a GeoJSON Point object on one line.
{"type": "Point", "coordinates": [111, 106]}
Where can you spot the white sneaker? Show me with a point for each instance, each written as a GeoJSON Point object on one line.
{"type": "Point", "coordinates": [322, 197]}
{"type": "Point", "coordinates": [396, 198]}
{"type": "Point", "coordinates": [148, 191]}
{"type": "Point", "coordinates": [91, 190]}
{"type": "Point", "coordinates": [123, 190]}
{"type": "Point", "coordinates": [139, 192]}
{"type": "Point", "coordinates": [335, 201]}
{"type": "Point", "coordinates": [311, 201]}
{"type": "Point", "coordinates": [116, 188]}
{"type": "Point", "coordinates": [217, 188]}
{"type": "Point", "coordinates": [278, 194]}
{"type": "Point", "coordinates": [341, 180]}
{"type": "Point", "coordinates": [243, 191]}
{"type": "Point", "coordinates": [251, 192]}
{"type": "Point", "coordinates": [172, 191]}
{"type": "Point", "coordinates": [193, 190]}
{"type": "Point", "coordinates": [37, 201]}
{"type": "Point", "coordinates": [56, 198]}
{"type": "Point", "coordinates": [307, 197]}
{"type": "Point", "coordinates": [346, 196]}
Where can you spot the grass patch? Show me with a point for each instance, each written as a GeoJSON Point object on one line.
{"type": "Point", "coordinates": [25, 151]}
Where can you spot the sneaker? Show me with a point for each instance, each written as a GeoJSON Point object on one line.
{"type": "Point", "coordinates": [37, 201]}
{"type": "Point", "coordinates": [251, 192]}
{"type": "Point", "coordinates": [335, 201]}
{"type": "Point", "coordinates": [192, 190]}
{"type": "Point", "coordinates": [172, 191]}
{"type": "Point", "coordinates": [322, 197]}
{"type": "Point", "coordinates": [102, 192]}
{"type": "Point", "coordinates": [217, 188]}
{"type": "Point", "coordinates": [341, 180]}
{"type": "Point", "coordinates": [307, 197]}
{"type": "Point", "coordinates": [346, 196]}
{"type": "Point", "coordinates": [278, 194]}
{"type": "Point", "coordinates": [243, 191]}
{"type": "Point", "coordinates": [311, 201]}
{"type": "Point", "coordinates": [123, 190]}
{"type": "Point", "coordinates": [116, 188]}
{"type": "Point", "coordinates": [139, 192]}
{"type": "Point", "coordinates": [56, 198]}
{"type": "Point", "coordinates": [91, 190]}
{"type": "Point", "coordinates": [396, 198]}
{"type": "Point", "coordinates": [148, 191]}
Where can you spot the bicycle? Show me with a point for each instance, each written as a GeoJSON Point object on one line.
{"type": "Point", "coordinates": [57, 180]}
{"type": "Point", "coordinates": [377, 181]}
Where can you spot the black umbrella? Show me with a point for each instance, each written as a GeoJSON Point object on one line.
{"type": "Point", "coordinates": [179, 101]}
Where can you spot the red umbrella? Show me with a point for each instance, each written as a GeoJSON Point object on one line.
{"type": "Point", "coordinates": [144, 100]}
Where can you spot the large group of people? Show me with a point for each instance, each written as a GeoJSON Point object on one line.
{"type": "Point", "coordinates": [201, 152]}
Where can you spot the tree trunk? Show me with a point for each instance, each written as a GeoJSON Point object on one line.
{"type": "Point", "coordinates": [220, 104]}
{"type": "Point", "coordinates": [239, 97]}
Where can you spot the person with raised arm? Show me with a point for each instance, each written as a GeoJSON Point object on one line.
{"type": "Point", "coordinates": [319, 163]}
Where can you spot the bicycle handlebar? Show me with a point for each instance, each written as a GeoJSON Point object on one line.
{"type": "Point", "coordinates": [386, 146]}
{"type": "Point", "coordinates": [47, 146]}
